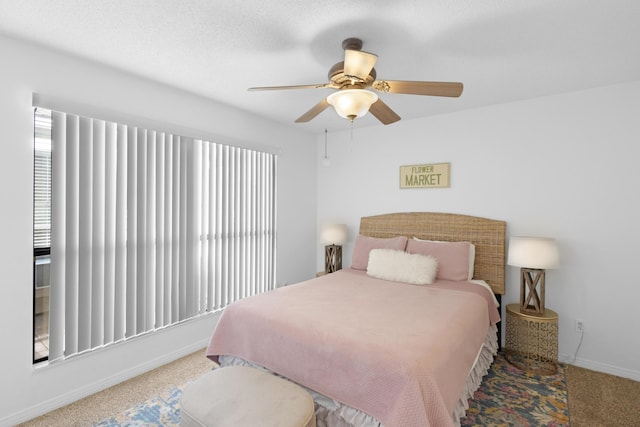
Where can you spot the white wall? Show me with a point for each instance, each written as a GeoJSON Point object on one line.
{"type": "Point", "coordinates": [26, 391]}
{"type": "Point", "coordinates": [564, 166]}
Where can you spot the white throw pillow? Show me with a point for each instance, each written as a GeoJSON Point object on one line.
{"type": "Point", "coordinates": [400, 266]}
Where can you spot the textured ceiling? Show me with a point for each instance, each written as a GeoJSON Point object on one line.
{"type": "Point", "coordinates": [502, 50]}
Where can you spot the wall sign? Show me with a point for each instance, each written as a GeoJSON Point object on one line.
{"type": "Point", "coordinates": [425, 176]}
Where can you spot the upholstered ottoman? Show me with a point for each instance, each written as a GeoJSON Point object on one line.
{"type": "Point", "coordinates": [244, 397]}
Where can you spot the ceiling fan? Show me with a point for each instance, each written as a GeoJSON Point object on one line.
{"type": "Point", "coordinates": [353, 77]}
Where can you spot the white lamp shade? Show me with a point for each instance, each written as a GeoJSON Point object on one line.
{"type": "Point", "coordinates": [334, 234]}
{"type": "Point", "coordinates": [533, 252]}
{"type": "Point", "coordinates": [352, 103]}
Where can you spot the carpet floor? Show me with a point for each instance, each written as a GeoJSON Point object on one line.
{"type": "Point", "coordinates": [597, 399]}
{"type": "Point", "coordinates": [507, 397]}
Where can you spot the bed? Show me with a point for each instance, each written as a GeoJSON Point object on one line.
{"type": "Point", "coordinates": [375, 349]}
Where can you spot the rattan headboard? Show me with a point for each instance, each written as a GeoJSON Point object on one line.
{"type": "Point", "coordinates": [487, 235]}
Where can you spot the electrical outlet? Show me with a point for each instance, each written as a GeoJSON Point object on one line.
{"type": "Point", "coordinates": [579, 326]}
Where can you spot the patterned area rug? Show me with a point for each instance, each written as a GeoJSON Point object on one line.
{"type": "Point", "coordinates": [507, 397]}
{"type": "Point", "coordinates": [163, 410]}
{"type": "Point", "coordinates": [511, 397]}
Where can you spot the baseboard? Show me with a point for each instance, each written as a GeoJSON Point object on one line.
{"type": "Point", "coordinates": [601, 367]}
{"type": "Point", "coordinates": [89, 389]}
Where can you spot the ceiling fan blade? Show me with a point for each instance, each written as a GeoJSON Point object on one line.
{"type": "Point", "coordinates": [382, 112]}
{"type": "Point", "coordinates": [314, 111]}
{"type": "Point", "coordinates": [358, 64]}
{"type": "Point", "coordinates": [451, 89]}
{"type": "Point", "coordinates": [318, 86]}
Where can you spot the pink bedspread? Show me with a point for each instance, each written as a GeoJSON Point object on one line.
{"type": "Point", "coordinates": [398, 352]}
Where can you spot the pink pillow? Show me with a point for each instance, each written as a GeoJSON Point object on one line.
{"type": "Point", "coordinates": [364, 244]}
{"type": "Point", "coordinates": [453, 257]}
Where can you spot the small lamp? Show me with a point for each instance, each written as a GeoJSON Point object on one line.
{"type": "Point", "coordinates": [333, 235]}
{"type": "Point", "coordinates": [533, 255]}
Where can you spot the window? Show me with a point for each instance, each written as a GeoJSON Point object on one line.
{"type": "Point", "coordinates": [136, 230]}
{"type": "Point", "coordinates": [41, 231]}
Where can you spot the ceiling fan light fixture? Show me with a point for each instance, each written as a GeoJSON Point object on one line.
{"type": "Point", "coordinates": [358, 65]}
{"type": "Point", "coordinates": [352, 103]}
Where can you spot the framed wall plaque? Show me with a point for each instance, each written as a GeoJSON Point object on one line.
{"type": "Point", "coordinates": [434, 175]}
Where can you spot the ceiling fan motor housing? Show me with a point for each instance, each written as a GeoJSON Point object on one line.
{"type": "Point", "coordinates": [341, 80]}
{"type": "Point", "coordinates": [352, 43]}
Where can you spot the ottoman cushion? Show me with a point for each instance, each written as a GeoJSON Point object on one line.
{"type": "Point", "coordinates": [244, 396]}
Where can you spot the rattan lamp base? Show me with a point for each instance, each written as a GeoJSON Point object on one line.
{"type": "Point", "coordinates": [532, 290]}
{"type": "Point", "coordinates": [332, 258]}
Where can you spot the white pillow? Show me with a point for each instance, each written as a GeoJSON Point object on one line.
{"type": "Point", "coordinates": [400, 266]}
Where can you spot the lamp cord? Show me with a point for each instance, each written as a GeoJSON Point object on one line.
{"type": "Point", "coordinates": [575, 355]}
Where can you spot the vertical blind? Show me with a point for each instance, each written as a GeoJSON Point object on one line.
{"type": "Point", "coordinates": [42, 179]}
{"type": "Point", "coordinates": [150, 228]}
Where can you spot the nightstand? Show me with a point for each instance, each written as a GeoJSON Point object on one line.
{"type": "Point", "coordinates": [532, 340]}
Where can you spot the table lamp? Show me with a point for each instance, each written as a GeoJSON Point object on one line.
{"type": "Point", "coordinates": [533, 255]}
{"type": "Point", "coordinates": [333, 235]}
